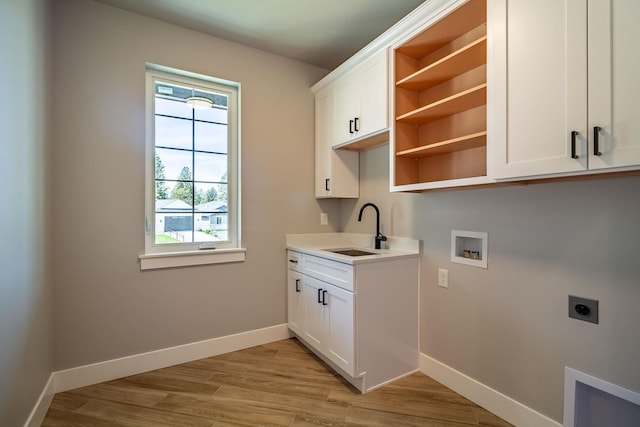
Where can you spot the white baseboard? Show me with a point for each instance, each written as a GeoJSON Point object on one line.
{"type": "Point", "coordinates": [492, 400]}
{"type": "Point", "coordinates": [42, 405]}
{"type": "Point", "coordinates": [94, 373]}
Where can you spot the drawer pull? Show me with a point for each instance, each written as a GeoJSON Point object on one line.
{"type": "Point", "coordinates": [596, 141]}
{"type": "Point", "coordinates": [293, 261]}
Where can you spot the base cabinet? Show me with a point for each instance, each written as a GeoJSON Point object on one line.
{"type": "Point", "coordinates": [295, 302]}
{"type": "Point", "coordinates": [361, 319]}
{"type": "Point", "coordinates": [329, 319]}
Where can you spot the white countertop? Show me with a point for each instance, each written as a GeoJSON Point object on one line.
{"type": "Point", "coordinates": [319, 244]}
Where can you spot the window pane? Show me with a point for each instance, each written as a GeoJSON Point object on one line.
{"type": "Point", "coordinates": [175, 133]}
{"type": "Point", "coordinates": [211, 137]}
{"type": "Point", "coordinates": [174, 227]}
{"type": "Point", "coordinates": [171, 107]}
{"type": "Point", "coordinates": [174, 163]}
{"type": "Point", "coordinates": [217, 115]}
{"type": "Point", "coordinates": [209, 196]}
{"type": "Point", "coordinates": [174, 196]}
{"type": "Point", "coordinates": [163, 190]}
{"type": "Point", "coordinates": [210, 167]}
{"type": "Point", "coordinates": [221, 192]}
{"type": "Point", "coordinates": [213, 228]}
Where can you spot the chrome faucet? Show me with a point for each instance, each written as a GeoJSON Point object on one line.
{"type": "Point", "coordinates": [379, 236]}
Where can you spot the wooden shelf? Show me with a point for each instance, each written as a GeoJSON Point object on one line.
{"type": "Point", "coordinates": [461, 21]}
{"type": "Point", "coordinates": [465, 100]}
{"type": "Point", "coordinates": [370, 141]}
{"type": "Point", "coordinates": [464, 59]}
{"type": "Point", "coordinates": [440, 98]}
{"type": "Point", "coordinates": [455, 144]}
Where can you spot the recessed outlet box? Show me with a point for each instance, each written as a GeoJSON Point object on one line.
{"type": "Point", "coordinates": [583, 309]}
{"type": "Point", "coordinates": [469, 247]}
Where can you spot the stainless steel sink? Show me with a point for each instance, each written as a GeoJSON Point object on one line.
{"type": "Point", "coordinates": [350, 252]}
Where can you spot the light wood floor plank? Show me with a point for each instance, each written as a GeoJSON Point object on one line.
{"type": "Point", "coordinates": [277, 384]}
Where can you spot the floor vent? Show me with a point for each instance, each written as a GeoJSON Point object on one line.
{"type": "Point", "coordinates": [592, 402]}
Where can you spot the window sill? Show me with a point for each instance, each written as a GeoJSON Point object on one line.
{"type": "Point", "coordinates": [184, 259]}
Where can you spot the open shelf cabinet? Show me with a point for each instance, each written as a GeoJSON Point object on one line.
{"type": "Point", "coordinates": [440, 130]}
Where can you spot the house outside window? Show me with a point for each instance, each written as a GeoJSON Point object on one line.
{"type": "Point", "coordinates": [192, 189]}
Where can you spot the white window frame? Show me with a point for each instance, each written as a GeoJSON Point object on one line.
{"type": "Point", "coordinates": [184, 254]}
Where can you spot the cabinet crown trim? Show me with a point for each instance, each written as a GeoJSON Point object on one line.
{"type": "Point", "coordinates": [427, 11]}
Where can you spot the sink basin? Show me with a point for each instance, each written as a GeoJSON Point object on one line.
{"type": "Point", "coordinates": [351, 252]}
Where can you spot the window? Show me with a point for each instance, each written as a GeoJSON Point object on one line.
{"type": "Point", "coordinates": [192, 191]}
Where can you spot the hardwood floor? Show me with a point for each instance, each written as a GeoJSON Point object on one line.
{"type": "Point", "coordinates": [277, 384]}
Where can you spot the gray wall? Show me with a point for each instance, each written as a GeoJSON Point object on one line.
{"type": "Point", "coordinates": [25, 287]}
{"type": "Point", "coordinates": [105, 307]}
{"type": "Point", "coordinates": [507, 326]}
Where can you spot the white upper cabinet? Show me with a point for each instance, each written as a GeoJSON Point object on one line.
{"type": "Point", "coordinates": [351, 109]}
{"type": "Point", "coordinates": [614, 83]}
{"type": "Point", "coordinates": [564, 79]}
{"type": "Point", "coordinates": [360, 100]}
{"type": "Point", "coordinates": [337, 171]}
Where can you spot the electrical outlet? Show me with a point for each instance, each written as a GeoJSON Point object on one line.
{"type": "Point", "coordinates": [443, 278]}
{"type": "Point", "coordinates": [324, 218]}
{"type": "Point", "coordinates": [583, 309]}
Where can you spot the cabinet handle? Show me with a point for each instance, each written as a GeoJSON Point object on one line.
{"type": "Point", "coordinates": [319, 297]}
{"type": "Point", "coordinates": [297, 285]}
{"type": "Point", "coordinates": [355, 124]}
{"type": "Point", "coordinates": [351, 126]}
{"type": "Point", "coordinates": [324, 301]}
{"type": "Point", "coordinates": [326, 184]}
{"type": "Point", "coordinates": [293, 261]}
{"type": "Point", "coordinates": [574, 134]}
{"type": "Point", "coordinates": [596, 140]}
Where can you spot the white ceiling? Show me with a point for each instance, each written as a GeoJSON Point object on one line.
{"type": "Point", "coordinates": [319, 32]}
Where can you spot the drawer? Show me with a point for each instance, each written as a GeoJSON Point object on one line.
{"type": "Point", "coordinates": [335, 273]}
{"type": "Point", "coordinates": [294, 261]}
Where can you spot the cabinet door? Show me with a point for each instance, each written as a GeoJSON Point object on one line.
{"type": "Point", "coordinates": [373, 114]}
{"type": "Point", "coordinates": [337, 171]}
{"type": "Point", "coordinates": [345, 108]}
{"type": "Point", "coordinates": [323, 142]}
{"type": "Point", "coordinates": [295, 302]}
{"type": "Point", "coordinates": [315, 315]}
{"type": "Point", "coordinates": [341, 334]}
{"type": "Point", "coordinates": [614, 83]}
{"type": "Point", "coordinates": [537, 81]}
